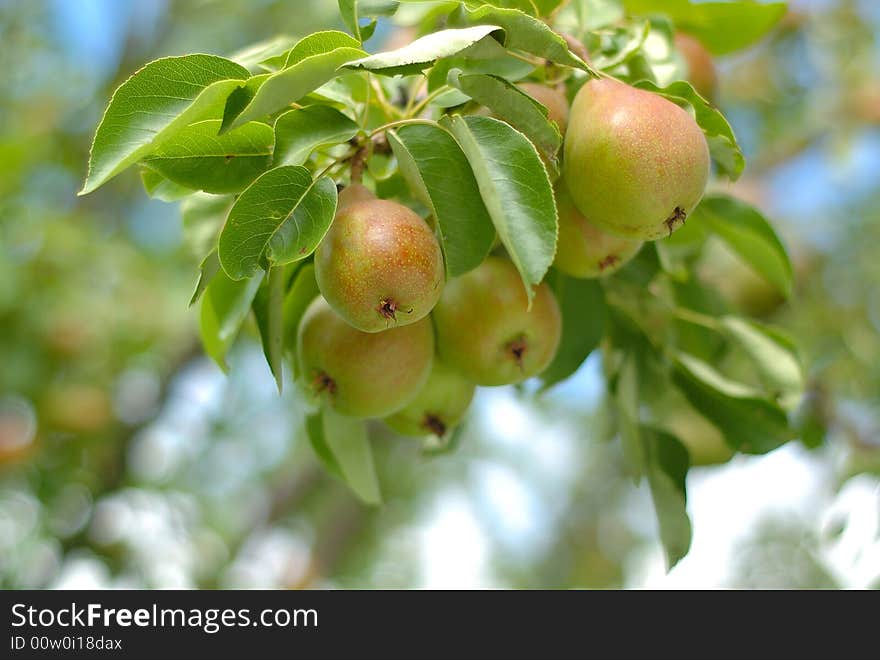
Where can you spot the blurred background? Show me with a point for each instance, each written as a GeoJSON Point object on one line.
{"type": "Point", "coordinates": [127, 459]}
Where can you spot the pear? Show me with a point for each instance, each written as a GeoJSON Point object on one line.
{"type": "Point", "coordinates": [635, 163]}
{"type": "Point", "coordinates": [438, 407]}
{"type": "Point", "coordinates": [379, 266]}
{"type": "Point", "coordinates": [486, 331]}
{"type": "Point", "coordinates": [701, 71]}
{"type": "Point", "coordinates": [583, 249]}
{"type": "Point", "coordinates": [552, 99]}
{"type": "Point", "coordinates": [355, 192]}
{"type": "Point", "coordinates": [362, 374]}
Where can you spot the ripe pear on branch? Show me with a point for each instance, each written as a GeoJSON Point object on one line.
{"type": "Point", "coordinates": [362, 374]}
{"type": "Point", "coordinates": [701, 71]}
{"type": "Point", "coordinates": [379, 265]}
{"type": "Point", "coordinates": [583, 249]}
{"type": "Point", "coordinates": [438, 407]}
{"type": "Point", "coordinates": [635, 164]}
{"type": "Point", "coordinates": [486, 331]}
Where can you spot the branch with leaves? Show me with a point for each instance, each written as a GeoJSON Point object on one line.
{"type": "Point", "coordinates": [513, 198]}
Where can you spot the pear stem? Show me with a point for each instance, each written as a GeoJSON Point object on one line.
{"type": "Point", "coordinates": [421, 105]}
{"type": "Point", "coordinates": [401, 122]}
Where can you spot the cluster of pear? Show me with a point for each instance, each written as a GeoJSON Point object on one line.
{"type": "Point", "coordinates": [390, 338]}
{"type": "Point", "coordinates": [635, 164]}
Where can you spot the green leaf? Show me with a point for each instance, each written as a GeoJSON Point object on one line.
{"type": "Point", "coordinates": [302, 292]}
{"type": "Point", "coordinates": [203, 216]}
{"type": "Point", "coordinates": [667, 465]}
{"type": "Point", "coordinates": [207, 270]}
{"type": "Point", "coordinates": [353, 10]}
{"type": "Point", "coordinates": [153, 104]}
{"type": "Point", "coordinates": [515, 189]}
{"type": "Point", "coordinates": [299, 132]}
{"type": "Point", "coordinates": [348, 89]}
{"type": "Point", "coordinates": [268, 309]}
{"type": "Point", "coordinates": [201, 159]}
{"type": "Point", "coordinates": [239, 98]}
{"type": "Point", "coordinates": [774, 355]}
{"type": "Point", "coordinates": [812, 418]}
{"type": "Point", "coordinates": [254, 57]}
{"type": "Point", "coordinates": [421, 53]}
{"type": "Point", "coordinates": [643, 268]}
{"type": "Point", "coordinates": [531, 7]}
{"type": "Point", "coordinates": [543, 7]}
{"type": "Point", "coordinates": [280, 218]}
{"type": "Point", "coordinates": [722, 142]}
{"type": "Point", "coordinates": [594, 14]}
{"type": "Point", "coordinates": [583, 324]}
{"type": "Point", "coordinates": [318, 43]}
{"type": "Point", "coordinates": [301, 76]}
{"type": "Point", "coordinates": [527, 34]}
{"type": "Point", "coordinates": [486, 56]}
{"type": "Point", "coordinates": [513, 105]}
{"type": "Point", "coordinates": [347, 439]}
{"type": "Point", "coordinates": [626, 42]}
{"type": "Point", "coordinates": [749, 235]}
{"type": "Point", "coordinates": [158, 187]}
{"type": "Point", "coordinates": [439, 175]}
{"type": "Point", "coordinates": [698, 340]}
{"type": "Point", "coordinates": [748, 421]}
{"type": "Point", "coordinates": [724, 27]}
{"type": "Point", "coordinates": [626, 397]}
{"type": "Point", "coordinates": [315, 431]}
{"type": "Point", "coordinates": [225, 305]}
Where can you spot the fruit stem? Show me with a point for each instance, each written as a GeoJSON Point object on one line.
{"type": "Point", "coordinates": [535, 62]}
{"type": "Point", "coordinates": [386, 105]}
{"type": "Point", "coordinates": [415, 110]}
{"type": "Point", "coordinates": [336, 161]}
{"type": "Point", "coordinates": [413, 93]}
{"type": "Point", "coordinates": [358, 161]}
{"type": "Point", "coordinates": [401, 122]}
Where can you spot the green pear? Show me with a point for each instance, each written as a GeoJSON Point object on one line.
{"type": "Point", "coordinates": [584, 250]}
{"type": "Point", "coordinates": [362, 374]}
{"type": "Point", "coordinates": [438, 407]}
{"type": "Point", "coordinates": [486, 331]}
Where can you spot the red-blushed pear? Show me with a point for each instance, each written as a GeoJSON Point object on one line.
{"type": "Point", "coordinates": [584, 250]}
{"type": "Point", "coordinates": [576, 46]}
{"type": "Point", "coordinates": [552, 99]}
{"type": "Point", "coordinates": [635, 163]}
{"type": "Point", "coordinates": [701, 71]}
{"type": "Point", "coordinates": [438, 407]}
{"type": "Point", "coordinates": [486, 331]}
{"type": "Point", "coordinates": [380, 265]}
{"type": "Point", "coordinates": [362, 374]}
{"type": "Point", "coordinates": [355, 192]}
